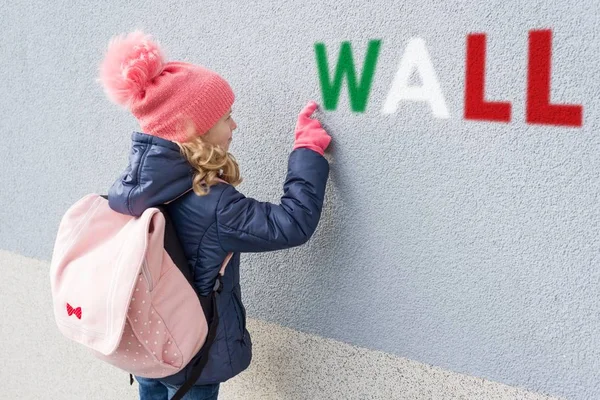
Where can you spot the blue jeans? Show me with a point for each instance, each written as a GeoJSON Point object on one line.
{"type": "Point", "coordinates": [153, 389]}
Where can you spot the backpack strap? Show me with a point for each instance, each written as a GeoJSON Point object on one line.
{"type": "Point", "coordinates": [200, 362]}
{"type": "Point", "coordinates": [173, 246]}
{"type": "Point", "coordinates": [208, 302]}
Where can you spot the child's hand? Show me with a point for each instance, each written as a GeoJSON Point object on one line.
{"type": "Point", "coordinates": [309, 133]}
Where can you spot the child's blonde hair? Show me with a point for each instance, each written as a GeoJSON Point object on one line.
{"type": "Point", "coordinates": [209, 163]}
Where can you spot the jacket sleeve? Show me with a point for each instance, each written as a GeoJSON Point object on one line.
{"type": "Point", "coordinates": [248, 225]}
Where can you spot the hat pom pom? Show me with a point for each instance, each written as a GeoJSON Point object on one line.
{"type": "Point", "coordinates": [129, 65]}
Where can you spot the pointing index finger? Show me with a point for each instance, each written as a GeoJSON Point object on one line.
{"type": "Point", "coordinates": [309, 109]}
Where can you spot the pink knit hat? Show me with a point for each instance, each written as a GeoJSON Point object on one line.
{"type": "Point", "coordinates": [162, 96]}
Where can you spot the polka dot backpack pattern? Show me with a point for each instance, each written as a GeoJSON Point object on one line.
{"type": "Point", "coordinates": [116, 290]}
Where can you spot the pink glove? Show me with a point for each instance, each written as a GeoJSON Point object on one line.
{"type": "Point", "coordinates": [309, 132]}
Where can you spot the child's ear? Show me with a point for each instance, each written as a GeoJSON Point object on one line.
{"type": "Point", "coordinates": [189, 128]}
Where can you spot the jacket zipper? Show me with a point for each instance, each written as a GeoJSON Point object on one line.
{"type": "Point", "coordinates": [147, 275]}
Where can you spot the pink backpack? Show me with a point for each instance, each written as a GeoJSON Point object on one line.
{"type": "Point", "coordinates": [117, 290]}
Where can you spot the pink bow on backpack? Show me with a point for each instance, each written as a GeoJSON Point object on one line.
{"type": "Point", "coordinates": [76, 311]}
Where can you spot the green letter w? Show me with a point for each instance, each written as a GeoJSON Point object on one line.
{"type": "Point", "coordinates": [358, 94]}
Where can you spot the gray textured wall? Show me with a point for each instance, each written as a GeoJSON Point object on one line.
{"type": "Point", "coordinates": [469, 245]}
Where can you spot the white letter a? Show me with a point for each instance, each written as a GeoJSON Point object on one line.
{"type": "Point", "coordinates": [416, 57]}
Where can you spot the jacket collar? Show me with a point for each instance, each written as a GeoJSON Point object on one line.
{"type": "Point", "coordinates": [157, 173]}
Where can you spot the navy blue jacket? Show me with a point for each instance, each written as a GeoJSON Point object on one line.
{"type": "Point", "coordinates": [211, 226]}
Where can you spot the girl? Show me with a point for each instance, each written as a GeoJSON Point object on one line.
{"type": "Point", "coordinates": [180, 158]}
